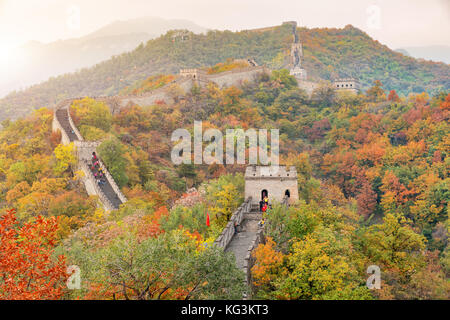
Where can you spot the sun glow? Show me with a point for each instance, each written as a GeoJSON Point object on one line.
{"type": "Point", "coordinates": [6, 55]}
{"type": "Point", "coordinates": [9, 58]}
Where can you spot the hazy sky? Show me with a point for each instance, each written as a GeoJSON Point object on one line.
{"type": "Point", "coordinates": [395, 23]}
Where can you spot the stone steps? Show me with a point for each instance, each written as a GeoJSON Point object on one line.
{"type": "Point", "coordinates": [108, 190]}
{"type": "Point", "coordinates": [62, 116]}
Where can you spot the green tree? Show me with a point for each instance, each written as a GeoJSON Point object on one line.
{"type": "Point", "coordinates": [112, 153]}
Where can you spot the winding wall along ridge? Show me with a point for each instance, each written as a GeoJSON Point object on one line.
{"type": "Point", "coordinates": [109, 193]}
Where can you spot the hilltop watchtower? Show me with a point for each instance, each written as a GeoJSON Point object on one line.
{"type": "Point", "coordinates": [347, 84]}
{"type": "Point", "coordinates": [274, 181]}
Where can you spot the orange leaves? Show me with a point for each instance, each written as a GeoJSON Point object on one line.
{"type": "Point", "coordinates": [20, 190]}
{"type": "Point", "coordinates": [268, 263]}
{"type": "Point", "coordinates": [227, 66]}
{"type": "Point", "coordinates": [394, 189]}
{"type": "Point", "coordinates": [445, 105]}
{"type": "Point", "coordinates": [152, 83]}
{"type": "Point", "coordinates": [27, 270]}
{"type": "Point", "coordinates": [230, 100]}
{"type": "Point", "coordinates": [150, 224]}
{"type": "Point", "coordinates": [371, 154]}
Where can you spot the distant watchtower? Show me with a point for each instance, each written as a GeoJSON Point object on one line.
{"type": "Point", "coordinates": [348, 84]}
{"type": "Point", "coordinates": [274, 181]}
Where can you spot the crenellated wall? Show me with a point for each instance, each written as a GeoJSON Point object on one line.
{"type": "Point", "coordinates": [56, 126]}
{"type": "Point", "coordinates": [224, 79]}
{"type": "Point", "coordinates": [63, 122]}
{"type": "Point", "coordinates": [250, 258]}
{"type": "Point", "coordinates": [227, 234]}
{"type": "Point", "coordinates": [92, 187]}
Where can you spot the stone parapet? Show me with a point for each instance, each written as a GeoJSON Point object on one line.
{"type": "Point", "coordinates": [227, 234]}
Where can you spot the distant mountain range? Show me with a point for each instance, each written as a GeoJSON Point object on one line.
{"type": "Point", "coordinates": [329, 53]}
{"type": "Point", "coordinates": [41, 61]}
{"type": "Point", "coordinates": [432, 53]}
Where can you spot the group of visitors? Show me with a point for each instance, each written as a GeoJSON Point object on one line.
{"type": "Point", "coordinates": [263, 207]}
{"type": "Point", "coordinates": [264, 204]}
{"type": "Point", "coordinates": [98, 172]}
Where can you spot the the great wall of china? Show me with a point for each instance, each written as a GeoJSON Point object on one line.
{"type": "Point", "coordinates": [109, 194]}
{"type": "Point", "coordinates": [187, 78]}
{"type": "Point", "coordinates": [247, 216]}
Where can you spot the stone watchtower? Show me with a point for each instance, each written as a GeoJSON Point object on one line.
{"type": "Point", "coordinates": [273, 181]}
{"type": "Point", "coordinates": [347, 84]}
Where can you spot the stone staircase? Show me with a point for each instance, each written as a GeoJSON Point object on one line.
{"type": "Point", "coordinates": [106, 189]}
{"type": "Point", "coordinates": [63, 117]}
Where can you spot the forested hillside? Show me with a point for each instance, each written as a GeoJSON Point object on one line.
{"type": "Point", "coordinates": [373, 176]}
{"type": "Point", "coordinates": [328, 53]}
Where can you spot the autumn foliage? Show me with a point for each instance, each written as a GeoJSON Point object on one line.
{"type": "Point", "coordinates": [28, 268]}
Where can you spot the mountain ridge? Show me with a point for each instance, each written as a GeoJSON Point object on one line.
{"type": "Point", "coordinates": [39, 61]}
{"type": "Point", "coordinates": [328, 53]}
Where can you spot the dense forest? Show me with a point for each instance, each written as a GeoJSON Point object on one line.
{"type": "Point", "coordinates": [373, 176]}
{"type": "Point", "coordinates": [328, 53]}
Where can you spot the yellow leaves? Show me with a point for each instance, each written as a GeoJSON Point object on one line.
{"type": "Point", "coordinates": [395, 244]}
{"type": "Point", "coordinates": [425, 181]}
{"type": "Point", "coordinates": [79, 175]}
{"type": "Point", "coordinates": [314, 270]}
{"type": "Point", "coordinates": [30, 169]}
{"type": "Point", "coordinates": [11, 149]}
{"type": "Point", "coordinates": [48, 185]}
{"type": "Point", "coordinates": [34, 204]}
{"type": "Point", "coordinates": [93, 113]}
{"type": "Point", "coordinates": [65, 157]}
{"type": "Point", "coordinates": [225, 204]}
{"type": "Point", "coordinates": [372, 173]}
{"type": "Point", "coordinates": [389, 202]}
{"type": "Point", "coordinates": [98, 216]}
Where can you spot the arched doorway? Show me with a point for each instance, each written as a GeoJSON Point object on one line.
{"type": "Point", "coordinates": [287, 193]}
{"type": "Point", "coordinates": [264, 194]}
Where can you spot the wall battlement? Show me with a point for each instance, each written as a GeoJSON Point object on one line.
{"type": "Point", "coordinates": [348, 84]}
{"type": "Point", "coordinates": [110, 195]}
{"type": "Point", "coordinates": [274, 181]}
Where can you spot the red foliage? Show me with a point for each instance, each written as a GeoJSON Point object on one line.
{"type": "Point", "coordinates": [27, 270]}
{"type": "Point", "coordinates": [445, 105]}
{"type": "Point", "coordinates": [437, 156]}
{"type": "Point", "coordinates": [366, 199]}
{"type": "Point", "coordinates": [318, 129]}
{"type": "Point", "coordinates": [393, 96]}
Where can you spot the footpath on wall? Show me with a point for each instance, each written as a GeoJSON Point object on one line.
{"type": "Point", "coordinates": [108, 192]}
